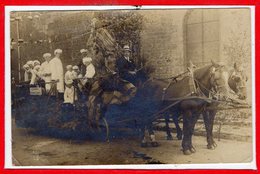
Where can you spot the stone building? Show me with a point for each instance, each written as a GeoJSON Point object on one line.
{"type": "Point", "coordinates": [172, 38]}
{"type": "Point", "coordinates": [169, 38]}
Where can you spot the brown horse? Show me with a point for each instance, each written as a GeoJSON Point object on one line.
{"type": "Point", "coordinates": [236, 81]}
{"type": "Point", "coordinates": [209, 79]}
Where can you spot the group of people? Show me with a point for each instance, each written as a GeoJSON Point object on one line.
{"type": "Point", "coordinates": [51, 71]}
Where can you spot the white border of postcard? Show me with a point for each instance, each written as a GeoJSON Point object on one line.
{"type": "Point", "coordinates": [8, 137]}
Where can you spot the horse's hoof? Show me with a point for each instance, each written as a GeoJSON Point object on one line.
{"type": "Point", "coordinates": [144, 145]}
{"type": "Point", "coordinates": [192, 150]}
{"type": "Point", "coordinates": [155, 144]}
{"type": "Point", "coordinates": [214, 144]}
{"type": "Point", "coordinates": [210, 146]}
{"type": "Point", "coordinates": [187, 152]}
{"type": "Point", "coordinates": [169, 137]}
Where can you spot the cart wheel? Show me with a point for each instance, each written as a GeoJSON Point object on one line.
{"type": "Point", "coordinates": [103, 130]}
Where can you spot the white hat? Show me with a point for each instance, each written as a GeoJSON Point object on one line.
{"type": "Point", "coordinates": [46, 55]}
{"type": "Point", "coordinates": [86, 59]}
{"type": "Point", "coordinates": [37, 67]}
{"type": "Point", "coordinates": [30, 63]}
{"type": "Point", "coordinates": [83, 51]}
{"type": "Point", "coordinates": [36, 62]}
{"type": "Point", "coordinates": [57, 51]}
{"type": "Point", "coordinates": [75, 67]}
{"type": "Point", "coordinates": [26, 66]}
{"type": "Point", "coordinates": [69, 67]}
{"type": "Point", "coordinates": [126, 48]}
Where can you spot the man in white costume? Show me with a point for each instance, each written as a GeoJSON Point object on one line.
{"type": "Point", "coordinates": [30, 64]}
{"type": "Point", "coordinates": [36, 75]}
{"type": "Point", "coordinates": [76, 72]}
{"type": "Point", "coordinates": [90, 69]}
{"type": "Point", "coordinates": [36, 62]}
{"type": "Point", "coordinates": [69, 94]}
{"type": "Point", "coordinates": [46, 71]}
{"type": "Point", "coordinates": [57, 72]}
{"type": "Point", "coordinates": [27, 72]}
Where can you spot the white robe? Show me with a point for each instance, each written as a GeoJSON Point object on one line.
{"type": "Point", "coordinates": [69, 96]}
{"type": "Point", "coordinates": [90, 72]}
{"type": "Point", "coordinates": [27, 76]}
{"type": "Point", "coordinates": [35, 76]}
{"type": "Point", "coordinates": [68, 77]}
{"type": "Point", "coordinates": [45, 69]}
{"type": "Point", "coordinates": [57, 73]}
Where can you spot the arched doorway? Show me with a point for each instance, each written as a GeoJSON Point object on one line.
{"type": "Point", "coordinates": [202, 37]}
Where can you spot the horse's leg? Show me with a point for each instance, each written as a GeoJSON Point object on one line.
{"type": "Point", "coordinates": [212, 144]}
{"type": "Point", "coordinates": [154, 143]}
{"type": "Point", "coordinates": [168, 132]}
{"type": "Point", "coordinates": [187, 132]}
{"type": "Point", "coordinates": [209, 117]}
{"type": "Point", "coordinates": [194, 120]}
{"type": "Point", "coordinates": [178, 129]}
{"type": "Point", "coordinates": [143, 138]}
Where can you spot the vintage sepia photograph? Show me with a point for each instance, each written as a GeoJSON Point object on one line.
{"type": "Point", "coordinates": [130, 87]}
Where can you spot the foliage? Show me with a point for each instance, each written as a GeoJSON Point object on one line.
{"type": "Point", "coordinates": [237, 48]}
{"type": "Point", "coordinates": [124, 26]}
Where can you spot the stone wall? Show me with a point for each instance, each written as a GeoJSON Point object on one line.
{"type": "Point", "coordinates": [162, 41]}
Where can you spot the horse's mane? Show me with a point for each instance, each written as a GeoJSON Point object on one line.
{"type": "Point", "coordinates": [201, 72]}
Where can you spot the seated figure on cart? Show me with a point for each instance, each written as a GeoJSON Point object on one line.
{"type": "Point", "coordinates": [69, 93]}
{"type": "Point", "coordinates": [88, 78]}
{"type": "Point", "coordinates": [126, 66]}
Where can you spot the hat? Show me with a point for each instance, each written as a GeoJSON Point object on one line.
{"type": "Point", "coordinates": [30, 63]}
{"type": "Point", "coordinates": [57, 51]}
{"type": "Point", "coordinates": [126, 48]}
{"type": "Point", "coordinates": [83, 51]}
{"type": "Point", "coordinates": [69, 67]}
{"type": "Point", "coordinates": [86, 59]}
{"type": "Point", "coordinates": [26, 66]}
{"type": "Point", "coordinates": [46, 55]}
{"type": "Point", "coordinates": [75, 67]}
{"type": "Point", "coordinates": [36, 62]}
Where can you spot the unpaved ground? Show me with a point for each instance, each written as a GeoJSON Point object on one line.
{"type": "Point", "coordinates": [35, 150]}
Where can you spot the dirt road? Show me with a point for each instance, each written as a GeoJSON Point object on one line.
{"type": "Point", "coordinates": [35, 150]}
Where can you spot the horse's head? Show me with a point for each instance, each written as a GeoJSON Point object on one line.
{"type": "Point", "coordinates": [237, 82]}
{"type": "Point", "coordinates": [219, 79]}
{"type": "Point", "coordinates": [214, 76]}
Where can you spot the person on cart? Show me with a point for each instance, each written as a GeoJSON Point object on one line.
{"type": "Point", "coordinates": [57, 72]}
{"type": "Point", "coordinates": [27, 73]}
{"type": "Point", "coordinates": [88, 78]}
{"type": "Point", "coordinates": [69, 93]}
{"type": "Point", "coordinates": [81, 66]}
{"type": "Point", "coordinates": [46, 72]}
{"type": "Point", "coordinates": [126, 66]}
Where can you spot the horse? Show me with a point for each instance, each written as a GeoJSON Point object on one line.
{"type": "Point", "coordinates": [237, 82]}
{"type": "Point", "coordinates": [211, 76]}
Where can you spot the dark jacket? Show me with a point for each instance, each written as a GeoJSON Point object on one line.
{"type": "Point", "coordinates": [124, 66]}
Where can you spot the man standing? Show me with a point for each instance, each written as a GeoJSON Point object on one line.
{"type": "Point", "coordinates": [126, 66]}
{"type": "Point", "coordinates": [46, 71]}
{"type": "Point", "coordinates": [57, 72]}
{"type": "Point", "coordinates": [90, 72]}
{"type": "Point", "coordinates": [81, 66]}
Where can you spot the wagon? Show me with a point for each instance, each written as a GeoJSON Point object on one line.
{"type": "Point", "coordinates": [48, 115]}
